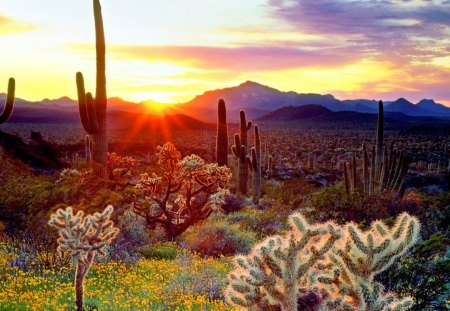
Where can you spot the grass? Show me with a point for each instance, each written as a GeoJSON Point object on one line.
{"type": "Point", "coordinates": [186, 283]}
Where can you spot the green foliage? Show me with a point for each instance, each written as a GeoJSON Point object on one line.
{"type": "Point", "coordinates": [423, 275]}
{"type": "Point", "coordinates": [166, 251]}
{"type": "Point", "coordinates": [216, 237]}
{"type": "Point", "coordinates": [333, 203]}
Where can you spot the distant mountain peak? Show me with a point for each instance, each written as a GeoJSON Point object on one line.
{"type": "Point", "coordinates": [403, 100]}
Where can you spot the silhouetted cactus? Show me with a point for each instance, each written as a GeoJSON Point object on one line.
{"type": "Point", "coordinates": [270, 167]}
{"type": "Point", "coordinates": [346, 180]}
{"type": "Point", "coordinates": [255, 164]}
{"type": "Point", "coordinates": [222, 135]}
{"type": "Point", "coordinates": [241, 155]}
{"type": "Point", "coordinates": [359, 256]}
{"type": "Point", "coordinates": [93, 111]}
{"type": "Point", "coordinates": [385, 170]}
{"type": "Point", "coordinates": [84, 237]}
{"type": "Point", "coordinates": [380, 140]}
{"type": "Point", "coordinates": [9, 104]}
{"type": "Point", "coordinates": [87, 147]}
{"type": "Point", "coordinates": [244, 127]}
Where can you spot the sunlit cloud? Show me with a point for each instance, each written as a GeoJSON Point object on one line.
{"type": "Point", "coordinates": [9, 25]}
{"type": "Point", "coordinates": [350, 48]}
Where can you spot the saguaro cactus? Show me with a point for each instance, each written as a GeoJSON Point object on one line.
{"type": "Point", "coordinates": [240, 153]}
{"type": "Point", "coordinates": [87, 147]}
{"type": "Point", "coordinates": [255, 164]}
{"type": "Point", "coordinates": [244, 127]}
{"type": "Point", "coordinates": [279, 268]}
{"type": "Point", "coordinates": [84, 237]}
{"type": "Point", "coordinates": [222, 135]}
{"type": "Point", "coordinates": [270, 167]}
{"type": "Point", "coordinates": [379, 142]}
{"type": "Point", "coordinates": [9, 105]}
{"type": "Point", "coordinates": [93, 111]}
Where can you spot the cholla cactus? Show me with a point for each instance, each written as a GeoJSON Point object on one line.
{"type": "Point", "coordinates": [84, 237]}
{"type": "Point", "coordinates": [280, 268]}
{"type": "Point", "coordinates": [339, 268]}
{"type": "Point", "coordinates": [120, 166]}
{"type": "Point", "coordinates": [359, 256]}
{"type": "Point", "coordinates": [188, 192]}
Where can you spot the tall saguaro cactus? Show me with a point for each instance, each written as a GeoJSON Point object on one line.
{"type": "Point", "coordinates": [255, 164]}
{"type": "Point", "coordinates": [222, 135]}
{"type": "Point", "coordinates": [244, 127]}
{"type": "Point", "coordinates": [93, 111]}
{"type": "Point", "coordinates": [379, 142]}
{"type": "Point", "coordinates": [240, 153]}
{"type": "Point", "coordinates": [9, 105]}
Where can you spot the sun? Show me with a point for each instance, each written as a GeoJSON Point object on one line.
{"type": "Point", "coordinates": [158, 108]}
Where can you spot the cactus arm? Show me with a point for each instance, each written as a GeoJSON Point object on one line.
{"type": "Point", "coordinates": [86, 107]}
{"type": "Point", "coordinates": [9, 105]}
{"type": "Point", "coordinates": [236, 148]}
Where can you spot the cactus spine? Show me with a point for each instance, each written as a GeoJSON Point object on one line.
{"type": "Point", "coordinates": [255, 164]}
{"type": "Point", "coordinates": [93, 111]}
{"type": "Point", "coordinates": [9, 105]}
{"type": "Point", "coordinates": [240, 152]}
{"type": "Point", "coordinates": [84, 237]}
{"type": "Point", "coordinates": [222, 135]}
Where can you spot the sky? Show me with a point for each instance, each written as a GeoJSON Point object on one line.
{"type": "Point", "coordinates": [169, 51]}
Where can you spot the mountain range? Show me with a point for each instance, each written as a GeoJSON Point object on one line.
{"type": "Point", "coordinates": [259, 101]}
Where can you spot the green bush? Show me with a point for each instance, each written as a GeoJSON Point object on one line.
{"type": "Point", "coordinates": [167, 251]}
{"type": "Point", "coordinates": [423, 275]}
{"type": "Point", "coordinates": [216, 237]}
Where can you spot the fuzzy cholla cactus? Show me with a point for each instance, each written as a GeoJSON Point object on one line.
{"type": "Point", "coordinates": [281, 267]}
{"type": "Point", "coordinates": [84, 237]}
{"type": "Point", "coordinates": [359, 257]}
{"type": "Point", "coordinates": [187, 192]}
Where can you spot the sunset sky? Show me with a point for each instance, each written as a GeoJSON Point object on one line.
{"type": "Point", "coordinates": [172, 50]}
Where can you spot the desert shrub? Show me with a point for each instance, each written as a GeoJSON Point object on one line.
{"type": "Point", "coordinates": [132, 237]}
{"type": "Point", "coordinates": [166, 251]}
{"type": "Point", "coordinates": [216, 237]}
{"type": "Point", "coordinates": [290, 192]}
{"type": "Point", "coordinates": [261, 222]}
{"type": "Point", "coordinates": [332, 203]}
{"type": "Point", "coordinates": [197, 277]}
{"type": "Point", "coordinates": [423, 275]}
{"type": "Point", "coordinates": [233, 203]}
{"type": "Point", "coordinates": [435, 215]}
